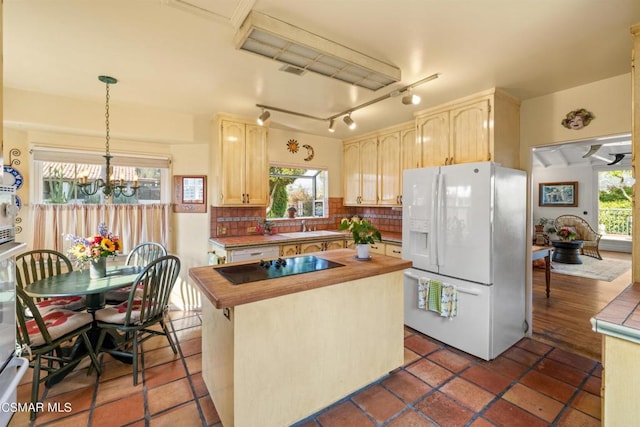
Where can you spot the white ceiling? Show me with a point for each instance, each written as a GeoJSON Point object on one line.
{"type": "Point", "coordinates": [170, 55]}
{"type": "Point", "coordinates": [570, 154]}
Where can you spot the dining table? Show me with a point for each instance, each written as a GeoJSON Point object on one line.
{"type": "Point", "coordinates": [544, 252]}
{"type": "Point", "coordinates": [78, 282]}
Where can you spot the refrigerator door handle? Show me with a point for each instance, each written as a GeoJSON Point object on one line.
{"type": "Point", "coordinates": [412, 276]}
{"type": "Point", "coordinates": [440, 232]}
{"type": "Point", "coordinates": [433, 236]}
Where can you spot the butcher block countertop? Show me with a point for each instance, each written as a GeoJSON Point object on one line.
{"type": "Point", "coordinates": [289, 238]}
{"type": "Point", "coordinates": [223, 294]}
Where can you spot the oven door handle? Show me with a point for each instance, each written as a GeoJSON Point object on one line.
{"type": "Point", "coordinates": [22, 364]}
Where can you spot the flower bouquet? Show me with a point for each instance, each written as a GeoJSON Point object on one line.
{"type": "Point", "coordinates": [566, 234]}
{"type": "Point", "coordinates": [95, 249]}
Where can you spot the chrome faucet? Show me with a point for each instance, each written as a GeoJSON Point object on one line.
{"type": "Point", "coordinates": [303, 226]}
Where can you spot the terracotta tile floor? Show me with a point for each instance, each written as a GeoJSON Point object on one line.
{"type": "Point", "coordinates": [531, 384]}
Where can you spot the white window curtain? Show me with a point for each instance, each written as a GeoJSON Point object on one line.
{"type": "Point", "coordinates": [134, 224]}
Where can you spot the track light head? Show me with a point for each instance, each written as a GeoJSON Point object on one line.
{"type": "Point", "coordinates": [332, 125]}
{"type": "Point", "coordinates": [263, 117]}
{"type": "Point", "coordinates": [349, 121]}
{"type": "Point", "coordinates": [411, 99]}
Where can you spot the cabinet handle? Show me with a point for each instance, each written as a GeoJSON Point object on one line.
{"type": "Point", "coordinates": [400, 197]}
{"type": "Point", "coordinates": [247, 197]}
{"type": "Point", "coordinates": [396, 252]}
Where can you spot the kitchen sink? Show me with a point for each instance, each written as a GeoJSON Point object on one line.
{"type": "Point", "coordinates": [311, 234]}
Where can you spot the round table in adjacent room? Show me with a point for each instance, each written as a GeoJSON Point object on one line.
{"type": "Point", "coordinates": [567, 251]}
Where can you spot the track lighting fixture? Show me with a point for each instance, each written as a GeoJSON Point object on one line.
{"type": "Point", "coordinates": [263, 117]}
{"type": "Point", "coordinates": [332, 125]}
{"type": "Point", "coordinates": [408, 99]}
{"type": "Point", "coordinates": [349, 121]}
{"type": "Point", "coordinates": [411, 99]}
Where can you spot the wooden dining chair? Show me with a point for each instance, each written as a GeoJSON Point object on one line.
{"type": "Point", "coordinates": [140, 256]}
{"type": "Point", "coordinates": [133, 319]}
{"type": "Point", "coordinates": [54, 338]}
{"type": "Point", "coordinates": [42, 263]}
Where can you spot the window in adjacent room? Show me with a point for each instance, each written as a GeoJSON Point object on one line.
{"type": "Point", "coordinates": [304, 190]}
{"type": "Point", "coordinates": [614, 203]}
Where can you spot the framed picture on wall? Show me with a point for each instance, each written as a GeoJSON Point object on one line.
{"type": "Point", "coordinates": [190, 193]}
{"type": "Point", "coordinates": [558, 194]}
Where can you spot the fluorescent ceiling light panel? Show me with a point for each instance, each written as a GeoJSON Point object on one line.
{"type": "Point", "coordinates": [230, 11]}
{"type": "Point", "coordinates": [283, 42]}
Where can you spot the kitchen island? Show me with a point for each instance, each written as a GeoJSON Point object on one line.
{"type": "Point", "coordinates": [276, 351]}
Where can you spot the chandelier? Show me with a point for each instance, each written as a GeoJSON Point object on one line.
{"type": "Point", "coordinates": [109, 185]}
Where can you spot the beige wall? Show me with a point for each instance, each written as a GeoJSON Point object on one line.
{"type": "Point", "coordinates": [609, 100]}
{"type": "Point", "coordinates": [327, 153]}
{"type": "Point", "coordinates": [77, 116]}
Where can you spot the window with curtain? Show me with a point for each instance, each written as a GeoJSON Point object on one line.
{"type": "Point", "coordinates": [57, 173]}
{"type": "Point", "coordinates": [60, 208]}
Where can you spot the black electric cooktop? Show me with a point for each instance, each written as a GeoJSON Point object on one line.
{"type": "Point", "coordinates": [272, 269]}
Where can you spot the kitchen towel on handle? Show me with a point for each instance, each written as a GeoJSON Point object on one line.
{"type": "Point", "coordinates": [434, 295]}
{"type": "Point", "coordinates": [423, 292]}
{"type": "Point", "coordinates": [449, 301]}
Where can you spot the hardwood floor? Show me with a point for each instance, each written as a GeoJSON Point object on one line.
{"type": "Point", "coordinates": [563, 320]}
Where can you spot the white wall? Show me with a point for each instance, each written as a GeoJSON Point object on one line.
{"type": "Point", "coordinates": [587, 202]}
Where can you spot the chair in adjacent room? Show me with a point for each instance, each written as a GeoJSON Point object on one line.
{"type": "Point", "coordinates": [134, 319]}
{"type": "Point", "coordinates": [52, 342]}
{"type": "Point", "coordinates": [139, 256]}
{"type": "Point", "coordinates": [584, 232]}
{"type": "Point", "coordinates": [42, 263]}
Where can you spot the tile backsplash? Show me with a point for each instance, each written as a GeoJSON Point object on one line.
{"type": "Point", "coordinates": [233, 222]}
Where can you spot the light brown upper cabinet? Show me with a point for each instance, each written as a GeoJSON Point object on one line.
{"type": "Point", "coordinates": [478, 128]}
{"type": "Point", "coordinates": [360, 172]}
{"type": "Point", "coordinates": [240, 163]}
{"type": "Point", "coordinates": [373, 165]}
{"type": "Point", "coordinates": [397, 151]}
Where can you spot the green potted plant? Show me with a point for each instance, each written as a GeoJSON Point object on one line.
{"type": "Point", "coordinates": [364, 233]}
{"type": "Point", "coordinates": [541, 223]}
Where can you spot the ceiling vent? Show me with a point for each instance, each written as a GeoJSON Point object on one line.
{"type": "Point", "coordinates": [275, 39]}
{"type": "Point", "coordinates": [293, 70]}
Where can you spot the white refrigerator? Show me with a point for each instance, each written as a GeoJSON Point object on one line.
{"type": "Point", "coordinates": [464, 225]}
